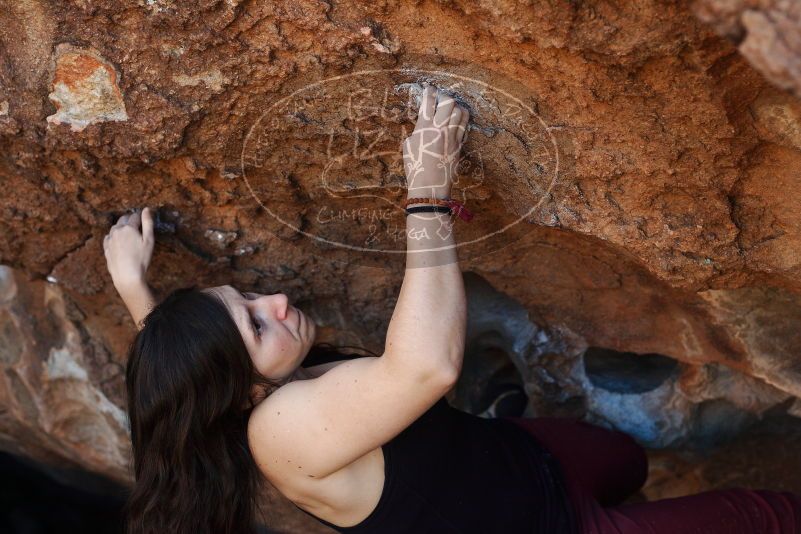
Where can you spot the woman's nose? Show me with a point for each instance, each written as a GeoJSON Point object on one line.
{"type": "Point", "coordinates": [280, 303]}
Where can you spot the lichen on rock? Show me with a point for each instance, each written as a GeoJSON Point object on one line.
{"type": "Point", "coordinates": [85, 90]}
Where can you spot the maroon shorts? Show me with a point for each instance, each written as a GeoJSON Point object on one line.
{"type": "Point", "coordinates": [604, 467]}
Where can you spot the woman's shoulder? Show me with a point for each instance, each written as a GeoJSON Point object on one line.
{"type": "Point", "coordinates": [342, 497]}
{"type": "Point", "coordinates": [321, 359]}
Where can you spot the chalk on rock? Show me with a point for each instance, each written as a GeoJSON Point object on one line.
{"type": "Point", "coordinates": [221, 238]}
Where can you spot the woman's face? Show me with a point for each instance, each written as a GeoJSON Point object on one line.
{"type": "Point", "coordinates": [277, 335]}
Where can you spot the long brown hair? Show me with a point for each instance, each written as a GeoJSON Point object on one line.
{"type": "Point", "coordinates": [189, 378]}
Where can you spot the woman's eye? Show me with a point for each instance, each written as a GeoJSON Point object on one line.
{"type": "Point", "coordinates": [256, 327]}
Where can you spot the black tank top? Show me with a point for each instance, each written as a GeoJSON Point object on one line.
{"type": "Point", "coordinates": [450, 471]}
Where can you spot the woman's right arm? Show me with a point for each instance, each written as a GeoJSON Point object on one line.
{"type": "Point", "coordinates": [427, 329]}
{"type": "Point", "coordinates": [309, 429]}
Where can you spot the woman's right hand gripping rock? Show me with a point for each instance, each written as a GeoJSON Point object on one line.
{"type": "Point", "coordinates": [431, 152]}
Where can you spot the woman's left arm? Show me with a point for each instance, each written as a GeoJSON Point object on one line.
{"type": "Point", "coordinates": [128, 249]}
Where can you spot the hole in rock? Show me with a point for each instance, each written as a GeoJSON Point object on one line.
{"type": "Point", "coordinates": [35, 498]}
{"type": "Point", "coordinates": [496, 325]}
{"type": "Point", "coordinates": [627, 372]}
{"type": "Point", "coordinates": [490, 377]}
{"type": "Point", "coordinates": [718, 421]}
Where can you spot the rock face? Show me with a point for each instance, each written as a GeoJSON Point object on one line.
{"type": "Point", "coordinates": [62, 398]}
{"type": "Point", "coordinates": [768, 33]}
{"type": "Point", "coordinates": [634, 173]}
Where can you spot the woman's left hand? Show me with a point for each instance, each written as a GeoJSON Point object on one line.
{"type": "Point", "coordinates": [128, 248]}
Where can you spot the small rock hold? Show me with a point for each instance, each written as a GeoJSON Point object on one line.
{"type": "Point", "coordinates": [285, 273]}
{"type": "Point", "coordinates": [163, 227]}
{"type": "Point", "coordinates": [229, 174]}
{"type": "Point", "coordinates": [380, 38]}
{"type": "Point", "coordinates": [213, 80]}
{"type": "Point", "coordinates": [8, 286]}
{"type": "Point", "coordinates": [221, 238]}
{"type": "Point", "coordinates": [157, 6]}
{"type": "Point", "coordinates": [164, 222]}
{"type": "Point", "coordinates": [241, 251]}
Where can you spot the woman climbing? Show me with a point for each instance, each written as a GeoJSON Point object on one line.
{"type": "Point", "coordinates": [227, 390]}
